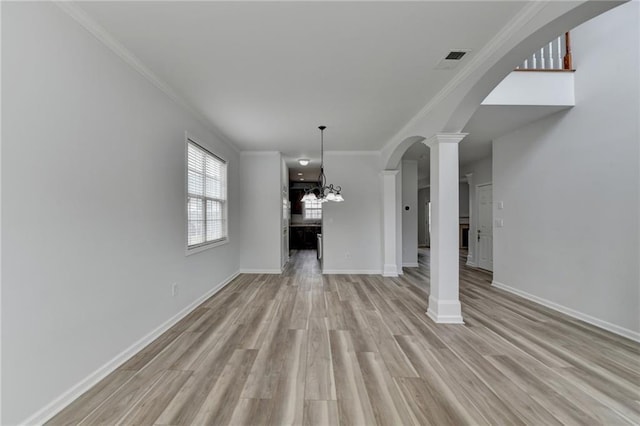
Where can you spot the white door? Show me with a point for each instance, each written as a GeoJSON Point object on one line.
{"type": "Point", "coordinates": [484, 194]}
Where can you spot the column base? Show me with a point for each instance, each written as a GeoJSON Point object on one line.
{"type": "Point", "coordinates": [445, 311]}
{"type": "Point", "coordinates": [390, 270]}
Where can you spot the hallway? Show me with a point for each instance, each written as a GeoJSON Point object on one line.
{"type": "Point", "coordinates": [302, 348]}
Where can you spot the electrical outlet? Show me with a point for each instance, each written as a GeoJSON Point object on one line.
{"type": "Point", "coordinates": [174, 289]}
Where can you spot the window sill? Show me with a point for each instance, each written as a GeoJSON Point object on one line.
{"type": "Point", "coordinates": [190, 251]}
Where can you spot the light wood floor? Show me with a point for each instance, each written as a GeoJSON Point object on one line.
{"type": "Point", "coordinates": [299, 348]}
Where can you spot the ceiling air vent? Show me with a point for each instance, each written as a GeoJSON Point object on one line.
{"type": "Point", "coordinates": [453, 58]}
{"type": "Point", "coordinates": [455, 55]}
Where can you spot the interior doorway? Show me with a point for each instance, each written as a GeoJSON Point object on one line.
{"type": "Point", "coordinates": [305, 226]}
{"type": "Point", "coordinates": [484, 194]}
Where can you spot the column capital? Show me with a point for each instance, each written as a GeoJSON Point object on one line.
{"type": "Point", "coordinates": [440, 138]}
{"type": "Point", "coordinates": [389, 172]}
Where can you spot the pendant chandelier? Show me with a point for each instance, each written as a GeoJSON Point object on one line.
{"type": "Point", "coordinates": [323, 192]}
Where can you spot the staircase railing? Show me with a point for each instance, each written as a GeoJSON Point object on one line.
{"type": "Point", "coordinates": [555, 56]}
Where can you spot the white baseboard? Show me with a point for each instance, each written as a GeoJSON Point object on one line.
{"type": "Point", "coordinates": [472, 264]}
{"type": "Point", "coordinates": [260, 271]}
{"type": "Point", "coordinates": [616, 329]}
{"type": "Point", "coordinates": [410, 265]}
{"type": "Point", "coordinates": [389, 270]}
{"type": "Point", "coordinates": [55, 406]}
{"type": "Point", "coordinates": [445, 311]}
{"type": "Point", "coordinates": [352, 272]}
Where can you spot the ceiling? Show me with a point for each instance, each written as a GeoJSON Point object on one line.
{"type": "Point", "coordinates": [266, 74]}
{"type": "Point", "coordinates": [304, 174]}
{"type": "Point", "coordinates": [488, 123]}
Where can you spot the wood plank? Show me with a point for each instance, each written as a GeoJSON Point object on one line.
{"type": "Point", "coordinates": [319, 383]}
{"type": "Point", "coordinates": [428, 406]}
{"type": "Point", "coordinates": [302, 348]}
{"type": "Point", "coordinates": [125, 397]}
{"type": "Point", "coordinates": [395, 360]}
{"type": "Point", "coordinates": [320, 413]}
{"type": "Point", "coordinates": [271, 356]}
{"type": "Point", "coordinates": [388, 406]}
{"type": "Point", "coordinates": [288, 399]}
{"type": "Point", "coordinates": [91, 399]}
{"type": "Point", "coordinates": [354, 407]}
{"type": "Point", "coordinates": [255, 412]}
{"type": "Point", "coordinates": [221, 401]}
{"type": "Point", "coordinates": [207, 368]}
{"type": "Point", "coordinates": [149, 408]}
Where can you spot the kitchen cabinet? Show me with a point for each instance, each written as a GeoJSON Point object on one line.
{"type": "Point", "coordinates": [296, 195]}
{"type": "Point", "coordinates": [304, 237]}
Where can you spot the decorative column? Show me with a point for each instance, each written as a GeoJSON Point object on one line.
{"type": "Point", "coordinates": [390, 218]}
{"type": "Point", "coordinates": [471, 254]}
{"type": "Point", "coordinates": [444, 301]}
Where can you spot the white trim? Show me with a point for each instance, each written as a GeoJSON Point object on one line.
{"type": "Point", "coordinates": [476, 263]}
{"type": "Point", "coordinates": [445, 311]}
{"type": "Point", "coordinates": [1, 328]}
{"type": "Point", "coordinates": [390, 270]}
{"type": "Point", "coordinates": [506, 33]}
{"type": "Point", "coordinates": [260, 271]}
{"type": "Point", "coordinates": [440, 138]}
{"type": "Point", "coordinates": [351, 272]}
{"type": "Point", "coordinates": [125, 54]}
{"type": "Point", "coordinates": [389, 172]}
{"type": "Point", "coordinates": [410, 265]}
{"type": "Point", "coordinates": [613, 328]}
{"type": "Point", "coordinates": [73, 393]}
{"type": "Point", "coordinates": [189, 251]}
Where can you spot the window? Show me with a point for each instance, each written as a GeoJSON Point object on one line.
{"type": "Point", "coordinates": [206, 197]}
{"type": "Point", "coordinates": [312, 210]}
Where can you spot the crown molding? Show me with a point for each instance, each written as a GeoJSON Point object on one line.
{"type": "Point", "coordinates": [129, 58]}
{"type": "Point", "coordinates": [440, 138]}
{"type": "Point", "coordinates": [507, 32]}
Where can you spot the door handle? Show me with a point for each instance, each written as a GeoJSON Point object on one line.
{"type": "Point", "coordinates": [478, 235]}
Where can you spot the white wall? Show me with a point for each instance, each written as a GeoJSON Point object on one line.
{"type": "Point", "coordinates": [570, 186]}
{"type": "Point", "coordinates": [93, 197]}
{"type": "Point", "coordinates": [481, 171]}
{"type": "Point", "coordinates": [409, 217]}
{"type": "Point", "coordinates": [261, 213]}
{"type": "Point", "coordinates": [351, 229]}
{"type": "Point", "coordinates": [534, 88]}
{"type": "Point", "coordinates": [424, 196]}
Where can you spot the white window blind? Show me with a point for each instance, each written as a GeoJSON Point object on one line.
{"type": "Point", "coordinates": [206, 197]}
{"type": "Point", "coordinates": [312, 210]}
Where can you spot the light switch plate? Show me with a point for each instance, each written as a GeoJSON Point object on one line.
{"type": "Point", "coordinates": [500, 205]}
{"type": "Point", "coordinates": [499, 223]}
